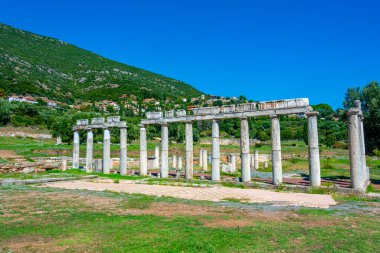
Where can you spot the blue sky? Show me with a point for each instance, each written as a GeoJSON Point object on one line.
{"type": "Point", "coordinates": [263, 50]}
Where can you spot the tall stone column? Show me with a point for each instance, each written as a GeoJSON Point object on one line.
{"type": "Point", "coordinates": [123, 151]}
{"type": "Point", "coordinates": [189, 150]}
{"type": "Point", "coordinates": [204, 160]}
{"type": "Point", "coordinates": [106, 151]}
{"type": "Point", "coordinates": [76, 150]}
{"type": "Point", "coordinates": [276, 150]}
{"type": "Point", "coordinates": [89, 150]}
{"type": "Point", "coordinates": [164, 151]}
{"type": "Point", "coordinates": [215, 164]}
{"type": "Point", "coordinates": [180, 162]}
{"type": "Point", "coordinates": [314, 163]}
{"type": "Point", "coordinates": [362, 143]}
{"type": "Point", "coordinates": [244, 148]}
{"type": "Point", "coordinates": [174, 162]}
{"type": "Point", "coordinates": [157, 157]}
{"type": "Point", "coordinates": [256, 162]}
{"type": "Point", "coordinates": [200, 157]}
{"type": "Point", "coordinates": [233, 162]}
{"type": "Point", "coordinates": [143, 151]}
{"type": "Point", "coordinates": [355, 154]}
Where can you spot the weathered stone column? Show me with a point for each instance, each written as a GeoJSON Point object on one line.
{"type": "Point", "coordinates": [106, 151]}
{"type": "Point", "coordinates": [189, 150]}
{"type": "Point", "coordinates": [276, 150]}
{"type": "Point", "coordinates": [355, 154]}
{"type": "Point", "coordinates": [76, 150]}
{"type": "Point", "coordinates": [164, 151]}
{"type": "Point", "coordinates": [98, 165]}
{"type": "Point", "coordinates": [157, 157]}
{"type": "Point", "coordinates": [362, 143]}
{"type": "Point", "coordinates": [200, 157]}
{"type": "Point", "coordinates": [204, 160]}
{"type": "Point", "coordinates": [180, 162]}
{"type": "Point", "coordinates": [89, 150]}
{"type": "Point", "coordinates": [314, 163]}
{"type": "Point", "coordinates": [233, 162]}
{"type": "Point", "coordinates": [143, 151]}
{"type": "Point", "coordinates": [63, 163]}
{"type": "Point", "coordinates": [244, 148]}
{"type": "Point", "coordinates": [123, 151]}
{"type": "Point", "coordinates": [256, 162]}
{"type": "Point", "coordinates": [174, 161]}
{"type": "Point", "coordinates": [215, 164]}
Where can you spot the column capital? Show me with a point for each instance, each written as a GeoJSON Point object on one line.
{"type": "Point", "coordinates": [142, 125]}
{"type": "Point", "coordinates": [164, 123]}
{"type": "Point", "coordinates": [273, 116]}
{"type": "Point", "coordinates": [188, 121]}
{"type": "Point", "coordinates": [243, 117]}
{"type": "Point", "coordinates": [215, 121]}
{"type": "Point", "coordinates": [311, 113]}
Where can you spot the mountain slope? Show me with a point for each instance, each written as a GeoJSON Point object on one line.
{"type": "Point", "coordinates": [39, 65]}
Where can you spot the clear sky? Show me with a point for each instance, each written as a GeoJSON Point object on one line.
{"type": "Point", "coordinates": [263, 49]}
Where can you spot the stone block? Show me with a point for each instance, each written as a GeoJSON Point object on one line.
{"type": "Point", "coordinates": [227, 108]}
{"type": "Point", "coordinates": [97, 121]}
{"type": "Point", "coordinates": [246, 107]}
{"type": "Point", "coordinates": [113, 119]}
{"type": "Point", "coordinates": [206, 110]}
{"type": "Point", "coordinates": [82, 122]}
{"type": "Point", "coordinates": [153, 115]}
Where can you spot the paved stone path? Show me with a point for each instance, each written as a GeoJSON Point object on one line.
{"type": "Point", "coordinates": [203, 193]}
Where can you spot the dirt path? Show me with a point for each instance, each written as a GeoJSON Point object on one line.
{"type": "Point", "coordinates": [198, 193]}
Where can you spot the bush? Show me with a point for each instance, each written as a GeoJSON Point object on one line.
{"type": "Point", "coordinates": [340, 145]}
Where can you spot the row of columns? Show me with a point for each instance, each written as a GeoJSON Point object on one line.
{"type": "Point", "coordinates": [106, 164]}
{"type": "Point", "coordinates": [314, 162]}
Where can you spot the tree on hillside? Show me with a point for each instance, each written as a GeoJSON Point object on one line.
{"type": "Point", "coordinates": [325, 111]}
{"type": "Point", "coordinates": [370, 100]}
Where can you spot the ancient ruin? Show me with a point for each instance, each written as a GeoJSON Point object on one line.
{"type": "Point", "coordinates": [272, 109]}
{"type": "Point", "coordinates": [101, 123]}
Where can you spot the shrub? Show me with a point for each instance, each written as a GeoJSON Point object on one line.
{"type": "Point", "coordinates": [340, 145]}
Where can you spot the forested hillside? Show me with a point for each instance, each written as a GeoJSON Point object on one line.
{"type": "Point", "coordinates": [43, 66]}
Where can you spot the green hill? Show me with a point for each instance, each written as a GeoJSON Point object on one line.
{"type": "Point", "coordinates": [43, 66]}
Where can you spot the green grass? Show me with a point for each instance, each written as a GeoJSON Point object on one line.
{"type": "Point", "coordinates": [73, 226]}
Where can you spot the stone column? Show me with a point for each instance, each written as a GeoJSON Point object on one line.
{"type": "Point", "coordinates": [98, 165]}
{"type": "Point", "coordinates": [244, 148]}
{"type": "Point", "coordinates": [215, 164]}
{"type": "Point", "coordinates": [276, 150]}
{"type": "Point", "coordinates": [174, 161]}
{"type": "Point", "coordinates": [189, 150]}
{"type": "Point", "coordinates": [314, 163]}
{"type": "Point", "coordinates": [164, 151]}
{"type": "Point", "coordinates": [355, 154]}
{"type": "Point", "coordinates": [63, 163]}
{"type": "Point", "coordinates": [123, 151]}
{"type": "Point", "coordinates": [106, 151]}
{"type": "Point", "coordinates": [200, 157]}
{"type": "Point", "coordinates": [59, 140]}
{"type": "Point", "coordinates": [76, 150]}
{"type": "Point", "coordinates": [362, 143]}
{"type": "Point", "coordinates": [233, 162]}
{"type": "Point", "coordinates": [89, 151]}
{"type": "Point", "coordinates": [180, 162]}
{"type": "Point", "coordinates": [204, 160]}
{"type": "Point", "coordinates": [157, 157]}
{"type": "Point", "coordinates": [256, 156]}
{"type": "Point", "coordinates": [143, 151]}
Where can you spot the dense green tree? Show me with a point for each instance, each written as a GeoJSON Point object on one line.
{"type": "Point", "coordinates": [370, 100]}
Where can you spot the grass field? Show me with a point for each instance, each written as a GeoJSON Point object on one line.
{"type": "Point", "coordinates": [36, 219]}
